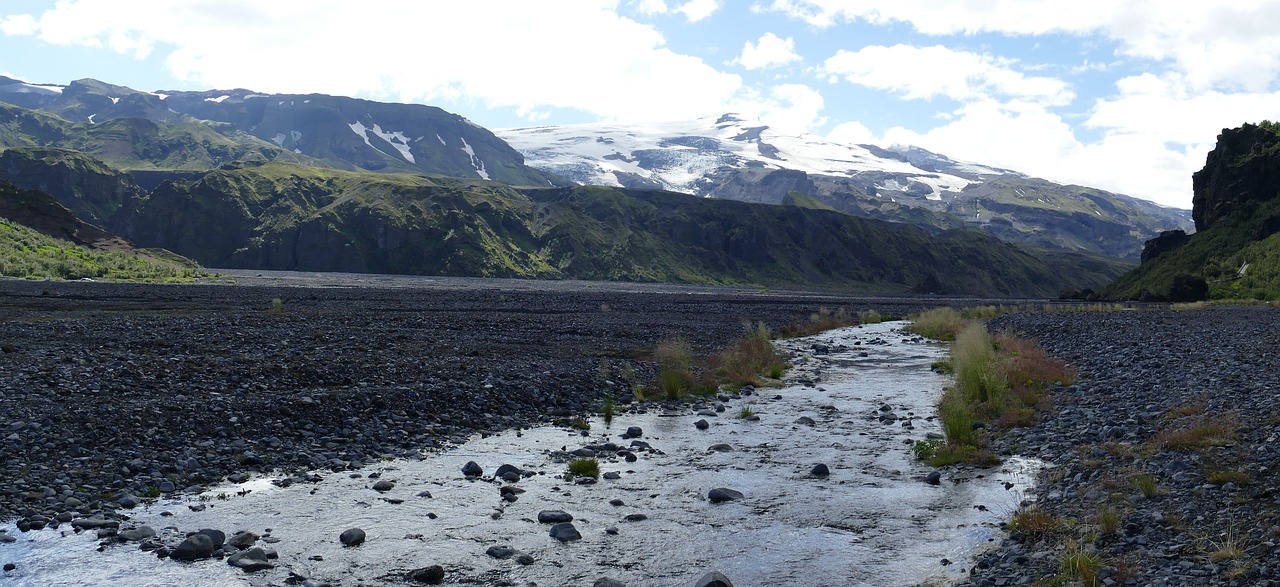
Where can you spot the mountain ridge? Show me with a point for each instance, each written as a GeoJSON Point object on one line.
{"type": "Point", "coordinates": [731, 157]}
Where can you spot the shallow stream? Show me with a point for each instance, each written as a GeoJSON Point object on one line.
{"type": "Point", "coordinates": [872, 521]}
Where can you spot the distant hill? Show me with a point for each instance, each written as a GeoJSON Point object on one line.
{"type": "Point", "coordinates": [1235, 252]}
{"type": "Point", "coordinates": [40, 238]}
{"type": "Point", "coordinates": [131, 129]}
{"type": "Point", "coordinates": [735, 158]}
{"type": "Point", "coordinates": [288, 216]}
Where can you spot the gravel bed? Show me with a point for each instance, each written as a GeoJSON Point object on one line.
{"type": "Point", "coordinates": [114, 393]}
{"type": "Point", "coordinates": [1140, 434]}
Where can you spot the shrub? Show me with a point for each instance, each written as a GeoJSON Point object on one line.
{"type": "Point", "coordinates": [751, 356]}
{"type": "Point", "coordinates": [938, 324]}
{"type": "Point", "coordinates": [745, 412]}
{"type": "Point", "coordinates": [823, 319]}
{"type": "Point", "coordinates": [925, 450]}
{"type": "Point", "coordinates": [979, 378]}
{"type": "Point", "coordinates": [584, 468]}
{"type": "Point", "coordinates": [1198, 432]}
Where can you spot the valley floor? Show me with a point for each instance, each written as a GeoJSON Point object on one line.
{"type": "Point", "coordinates": [118, 390]}
{"type": "Point", "coordinates": [1163, 456]}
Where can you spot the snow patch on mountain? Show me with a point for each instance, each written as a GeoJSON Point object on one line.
{"type": "Point", "coordinates": [396, 139]}
{"type": "Point", "coordinates": [475, 161]}
{"type": "Point", "coordinates": [217, 100]}
{"type": "Point", "coordinates": [683, 156]}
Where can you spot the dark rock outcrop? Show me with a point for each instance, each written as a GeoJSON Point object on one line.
{"type": "Point", "coordinates": [1169, 240]}
{"type": "Point", "coordinates": [1241, 171]}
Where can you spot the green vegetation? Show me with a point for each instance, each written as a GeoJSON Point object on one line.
{"type": "Point", "coordinates": [675, 361]}
{"type": "Point", "coordinates": [939, 324]}
{"type": "Point", "coordinates": [1081, 564]}
{"type": "Point", "coordinates": [584, 468]}
{"type": "Point", "coordinates": [822, 320]}
{"type": "Point", "coordinates": [1000, 380]}
{"type": "Point", "coordinates": [745, 412]}
{"type": "Point", "coordinates": [749, 358]}
{"type": "Point", "coordinates": [1146, 484]}
{"type": "Point", "coordinates": [28, 254]}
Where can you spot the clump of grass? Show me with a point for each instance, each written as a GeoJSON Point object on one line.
{"type": "Point", "coordinates": [1227, 547]}
{"type": "Point", "coordinates": [579, 424]}
{"type": "Point", "coordinates": [746, 412]}
{"type": "Point", "coordinates": [277, 306]}
{"type": "Point", "coordinates": [870, 317]}
{"type": "Point", "coordinates": [1146, 484]}
{"type": "Point", "coordinates": [1198, 432]}
{"type": "Point", "coordinates": [939, 324]}
{"type": "Point", "coordinates": [675, 361]}
{"type": "Point", "coordinates": [927, 449]}
{"type": "Point", "coordinates": [1036, 522]}
{"type": "Point", "coordinates": [606, 408]}
{"type": "Point", "coordinates": [749, 358]}
{"type": "Point", "coordinates": [1108, 520]}
{"type": "Point", "coordinates": [584, 468]}
{"type": "Point", "coordinates": [979, 378]}
{"type": "Point", "coordinates": [1080, 564]}
{"type": "Point", "coordinates": [1225, 477]}
{"type": "Point", "coordinates": [823, 319]}
{"type": "Point", "coordinates": [943, 367]}
{"type": "Point", "coordinates": [983, 312]}
{"type": "Point", "coordinates": [957, 420]}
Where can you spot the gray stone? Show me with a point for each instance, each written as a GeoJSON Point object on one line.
{"type": "Point", "coordinates": [352, 537]}
{"type": "Point", "coordinates": [251, 560]}
{"type": "Point", "coordinates": [633, 432]}
{"type": "Point", "coordinates": [471, 469]}
{"type": "Point", "coordinates": [432, 575]}
{"type": "Point", "coordinates": [701, 424]}
{"type": "Point", "coordinates": [194, 547]}
{"type": "Point", "coordinates": [500, 552]}
{"type": "Point", "coordinates": [565, 532]}
{"type": "Point", "coordinates": [820, 470]}
{"type": "Point", "coordinates": [720, 447]}
{"type": "Point", "coordinates": [383, 486]}
{"type": "Point", "coordinates": [607, 582]}
{"type": "Point", "coordinates": [933, 478]}
{"type": "Point", "coordinates": [136, 534]}
{"type": "Point", "coordinates": [242, 539]}
{"type": "Point", "coordinates": [217, 536]}
{"type": "Point", "coordinates": [713, 579]}
{"type": "Point", "coordinates": [721, 494]}
{"type": "Point", "coordinates": [805, 421]}
{"type": "Point", "coordinates": [554, 517]}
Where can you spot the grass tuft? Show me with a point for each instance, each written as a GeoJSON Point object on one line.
{"type": "Point", "coordinates": [939, 324]}
{"type": "Point", "coordinates": [584, 468]}
{"type": "Point", "coordinates": [1080, 564]}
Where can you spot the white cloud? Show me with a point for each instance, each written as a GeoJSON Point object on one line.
{"type": "Point", "coordinates": [1027, 137]}
{"type": "Point", "coordinates": [1212, 43]}
{"type": "Point", "coordinates": [926, 72]}
{"type": "Point", "coordinates": [851, 133]}
{"type": "Point", "coordinates": [769, 51]}
{"type": "Point", "coordinates": [18, 24]}
{"type": "Point", "coordinates": [651, 7]}
{"type": "Point", "coordinates": [514, 57]}
{"type": "Point", "coordinates": [696, 10]}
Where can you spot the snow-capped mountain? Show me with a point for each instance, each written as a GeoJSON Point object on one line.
{"type": "Point", "coordinates": [692, 156]}
{"type": "Point", "coordinates": [736, 158]}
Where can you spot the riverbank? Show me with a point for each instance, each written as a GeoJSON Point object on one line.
{"type": "Point", "coordinates": [1163, 456]}
{"type": "Point", "coordinates": [115, 393]}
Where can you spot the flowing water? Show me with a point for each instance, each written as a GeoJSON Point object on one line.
{"type": "Point", "coordinates": [872, 521]}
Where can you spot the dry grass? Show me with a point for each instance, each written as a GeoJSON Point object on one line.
{"type": "Point", "coordinates": [822, 320]}
{"type": "Point", "coordinates": [1225, 477]}
{"type": "Point", "coordinates": [1146, 484]}
{"type": "Point", "coordinates": [938, 324]}
{"type": "Point", "coordinates": [1036, 522]}
{"type": "Point", "coordinates": [1198, 432]}
{"type": "Point", "coordinates": [749, 358]}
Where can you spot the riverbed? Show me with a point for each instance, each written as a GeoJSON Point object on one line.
{"type": "Point", "coordinates": [855, 402]}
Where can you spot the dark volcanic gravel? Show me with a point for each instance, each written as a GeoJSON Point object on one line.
{"type": "Point", "coordinates": [1149, 381]}
{"type": "Point", "coordinates": [111, 393]}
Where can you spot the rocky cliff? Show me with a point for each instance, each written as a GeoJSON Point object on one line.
{"type": "Point", "coordinates": [1235, 252]}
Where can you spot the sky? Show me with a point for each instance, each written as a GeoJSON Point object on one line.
{"type": "Point", "coordinates": [1123, 95]}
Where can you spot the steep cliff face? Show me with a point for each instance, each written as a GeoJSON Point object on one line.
{"type": "Point", "coordinates": [1235, 252]}
{"type": "Point", "coordinates": [90, 189]}
{"type": "Point", "coordinates": [1241, 172]}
